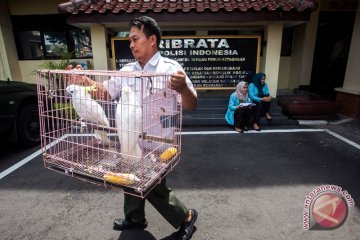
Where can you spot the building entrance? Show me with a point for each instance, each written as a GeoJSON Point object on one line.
{"type": "Point", "coordinates": [331, 52]}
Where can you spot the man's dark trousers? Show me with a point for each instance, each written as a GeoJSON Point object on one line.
{"type": "Point", "coordinates": [163, 199]}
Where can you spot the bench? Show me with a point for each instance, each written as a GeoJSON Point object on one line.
{"type": "Point", "coordinates": [308, 107]}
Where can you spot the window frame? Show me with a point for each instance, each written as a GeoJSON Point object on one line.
{"type": "Point", "coordinates": [44, 24]}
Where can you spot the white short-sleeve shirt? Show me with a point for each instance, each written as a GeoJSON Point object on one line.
{"type": "Point", "coordinates": [157, 64]}
{"type": "Point", "coordinates": [152, 112]}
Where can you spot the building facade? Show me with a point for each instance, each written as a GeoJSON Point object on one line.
{"type": "Point", "coordinates": [297, 37]}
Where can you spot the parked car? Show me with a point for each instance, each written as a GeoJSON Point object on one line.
{"type": "Point", "coordinates": [19, 118]}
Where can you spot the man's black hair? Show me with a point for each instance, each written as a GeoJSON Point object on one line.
{"type": "Point", "coordinates": [148, 25]}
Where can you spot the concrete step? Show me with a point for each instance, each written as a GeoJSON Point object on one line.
{"type": "Point", "coordinates": [219, 120]}
{"type": "Point", "coordinates": [207, 110]}
{"type": "Point", "coordinates": [212, 108]}
{"type": "Point", "coordinates": [221, 109]}
{"type": "Point", "coordinates": [223, 102]}
{"type": "Point", "coordinates": [213, 101]}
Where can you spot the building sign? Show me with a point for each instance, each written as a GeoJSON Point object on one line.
{"type": "Point", "coordinates": [211, 62]}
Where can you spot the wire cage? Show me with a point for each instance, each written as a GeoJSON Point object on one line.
{"type": "Point", "coordinates": [128, 136]}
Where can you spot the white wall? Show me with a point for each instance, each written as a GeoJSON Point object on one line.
{"type": "Point", "coordinates": [29, 67]}
{"type": "Point", "coordinates": [284, 73]}
{"type": "Point", "coordinates": [296, 56]}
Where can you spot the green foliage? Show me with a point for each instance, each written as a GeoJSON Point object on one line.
{"type": "Point", "coordinates": [62, 64]}
{"type": "Point", "coordinates": [67, 110]}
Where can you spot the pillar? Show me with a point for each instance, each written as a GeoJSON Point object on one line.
{"type": "Point", "coordinates": [272, 55]}
{"type": "Point", "coordinates": [9, 62]}
{"type": "Point", "coordinates": [99, 47]}
{"type": "Point", "coordinates": [309, 48]}
{"type": "Point", "coordinates": [303, 53]}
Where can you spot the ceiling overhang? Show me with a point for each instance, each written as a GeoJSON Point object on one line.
{"type": "Point", "coordinates": [112, 13]}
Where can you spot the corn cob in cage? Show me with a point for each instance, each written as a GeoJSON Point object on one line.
{"type": "Point", "coordinates": [127, 136]}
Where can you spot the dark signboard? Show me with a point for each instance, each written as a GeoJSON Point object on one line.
{"type": "Point", "coordinates": [211, 62]}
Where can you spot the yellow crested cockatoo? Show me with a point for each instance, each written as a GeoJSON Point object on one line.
{"type": "Point", "coordinates": [128, 123]}
{"type": "Point", "coordinates": [88, 109]}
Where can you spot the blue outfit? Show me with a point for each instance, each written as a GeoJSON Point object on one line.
{"type": "Point", "coordinates": [254, 92]}
{"type": "Point", "coordinates": [257, 91]}
{"type": "Point", "coordinates": [233, 103]}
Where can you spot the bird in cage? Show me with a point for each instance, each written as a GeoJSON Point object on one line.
{"type": "Point", "coordinates": [88, 109]}
{"type": "Point", "coordinates": [128, 123]}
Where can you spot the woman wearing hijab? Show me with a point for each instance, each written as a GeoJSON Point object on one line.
{"type": "Point", "coordinates": [260, 95]}
{"type": "Point", "coordinates": [239, 111]}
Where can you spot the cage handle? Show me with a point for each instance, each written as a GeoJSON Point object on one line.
{"type": "Point", "coordinates": [51, 86]}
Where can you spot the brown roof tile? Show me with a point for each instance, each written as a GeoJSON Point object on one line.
{"type": "Point", "coordinates": [129, 6]}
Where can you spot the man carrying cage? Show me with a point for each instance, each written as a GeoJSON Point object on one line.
{"type": "Point", "coordinates": [144, 38]}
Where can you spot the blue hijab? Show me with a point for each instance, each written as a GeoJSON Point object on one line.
{"type": "Point", "coordinates": [256, 80]}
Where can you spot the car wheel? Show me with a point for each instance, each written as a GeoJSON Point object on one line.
{"type": "Point", "coordinates": [28, 126]}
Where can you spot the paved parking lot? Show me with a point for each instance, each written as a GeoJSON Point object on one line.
{"type": "Point", "coordinates": [244, 186]}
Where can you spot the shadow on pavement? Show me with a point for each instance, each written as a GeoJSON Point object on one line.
{"type": "Point", "coordinates": [136, 234]}
{"type": "Point", "coordinates": [145, 235]}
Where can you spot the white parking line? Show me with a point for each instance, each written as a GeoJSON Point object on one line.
{"type": "Point", "coordinates": [343, 138]}
{"type": "Point", "coordinates": [278, 131]}
{"type": "Point", "coordinates": [37, 153]}
{"type": "Point", "coordinates": [27, 159]}
{"type": "Point", "coordinates": [262, 131]}
{"type": "Point", "coordinates": [19, 164]}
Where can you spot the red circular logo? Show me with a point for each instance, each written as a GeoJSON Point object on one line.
{"type": "Point", "coordinates": [329, 210]}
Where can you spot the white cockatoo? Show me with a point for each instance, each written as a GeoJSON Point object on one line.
{"type": "Point", "coordinates": [88, 109]}
{"type": "Point", "coordinates": [128, 123]}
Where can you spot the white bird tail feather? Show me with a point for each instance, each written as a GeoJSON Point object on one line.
{"type": "Point", "coordinates": [129, 145]}
{"type": "Point", "coordinates": [129, 121]}
{"type": "Point", "coordinates": [101, 135]}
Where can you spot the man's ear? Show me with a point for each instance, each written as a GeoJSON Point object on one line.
{"type": "Point", "coordinates": [153, 40]}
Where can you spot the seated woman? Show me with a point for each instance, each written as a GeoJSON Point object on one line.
{"type": "Point", "coordinates": [238, 113]}
{"type": "Point", "coordinates": [260, 95]}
